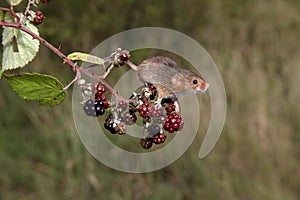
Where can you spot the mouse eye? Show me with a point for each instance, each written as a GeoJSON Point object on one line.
{"type": "Point", "coordinates": [195, 81]}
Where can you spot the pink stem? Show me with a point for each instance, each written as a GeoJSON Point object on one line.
{"type": "Point", "coordinates": [77, 69]}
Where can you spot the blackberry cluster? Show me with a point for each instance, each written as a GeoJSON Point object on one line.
{"type": "Point", "coordinates": [156, 118]}
{"type": "Point", "coordinates": [96, 107]}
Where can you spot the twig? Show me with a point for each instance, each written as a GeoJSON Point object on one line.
{"type": "Point", "coordinates": [65, 59]}
{"type": "Point", "coordinates": [29, 4]}
{"type": "Point", "coordinates": [12, 12]}
{"type": "Point", "coordinates": [77, 77]}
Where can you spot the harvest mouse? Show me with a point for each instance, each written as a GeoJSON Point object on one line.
{"type": "Point", "coordinates": [170, 81]}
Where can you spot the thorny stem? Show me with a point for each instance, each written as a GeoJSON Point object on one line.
{"type": "Point", "coordinates": [65, 59]}
{"type": "Point", "coordinates": [12, 12]}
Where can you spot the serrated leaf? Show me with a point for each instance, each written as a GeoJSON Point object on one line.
{"type": "Point", "coordinates": [19, 48]}
{"type": "Point", "coordinates": [39, 87]}
{"type": "Point", "coordinates": [86, 58]}
{"type": "Point", "coordinates": [14, 2]}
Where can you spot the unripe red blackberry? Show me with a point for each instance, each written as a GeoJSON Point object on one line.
{"type": "Point", "coordinates": [173, 122]}
{"type": "Point", "coordinates": [122, 106]}
{"type": "Point", "coordinates": [129, 119]}
{"type": "Point", "coordinates": [144, 110]}
{"type": "Point", "coordinates": [39, 17]}
{"type": "Point", "coordinates": [45, 1]}
{"type": "Point", "coordinates": [100, 89]}
{"type": "Point", "coordinates": [146, 143]}
{"type": "Point", "coordinates": [170, 108]}
{"type": "Point", "coordinates": [156, 112]}
{"type": "Point", "coordinates": [124, 56]}
{"type": "Point", "coordinates": [159, 138]}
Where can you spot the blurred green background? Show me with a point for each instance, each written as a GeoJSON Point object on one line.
{"type": "Point", "coordinates": [256, 47]}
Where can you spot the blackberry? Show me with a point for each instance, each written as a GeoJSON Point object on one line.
{"type": "Point", "coordinates": [173, 122]}
{"type": "Point", "coordinates": [170, 108]}
{"type": "Point", "coordinates": [110, 124]}
{"type": "Point", "coordinates": [99, 107]}
{"type": "Point", "coordinates": [122, 106]}
{"type": "Point", "coordinates": [153, 129]}
{"type": "Point", "coordinates": [129, 119]}
{"type": "Point", "coordinates": [156, 112]}
{"type": "Point", "coordinates": [100, 90]}
{"type": "Point", "coordinates": [144, 110]}
{"type": "Point", "coordinates": [124, 56]}
{"type": "Point", "coordinates": [146, 143]}
{"type": "Point", "coordinates": [39, 17]}
{"type": "Point", "coordinates": [45, 1]}
{"type": "Point", "coordinates": [159, 138]}
{"type": "Point", "coordinates": [89, 108]}
{"type": "Point", "coordinates": [105, 101]}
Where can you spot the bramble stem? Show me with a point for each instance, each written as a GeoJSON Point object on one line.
{"type": "Point", "coordinates": [65, 59]}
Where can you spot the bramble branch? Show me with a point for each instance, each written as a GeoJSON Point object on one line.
{"type": "Point", "coordinates": [65, 59]}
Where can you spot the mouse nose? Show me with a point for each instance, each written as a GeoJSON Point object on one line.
{"type": "Point", "coordinates": [203, 86]}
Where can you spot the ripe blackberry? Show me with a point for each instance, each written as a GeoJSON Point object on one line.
{"type": "Point", "coordinates": [144, 110]}
{"type": "Point", "coordinates": [102, 98]}
{"type": "Point", "coordinates": [153, 129]}
{"type": "Point", "coordinates": [110, 125]}
{"type": "Point", "coordinates": [159, 138]}
{"type": "Point", "coordinates": [39, 17]}
{"type": "Point", "coordinates": [146, 143]}
{"type": "Point", "coordinates": [99, 107]}
{"type": "Point", "coordinates": [89, 108]}
{"type": "Point", "coordinates": [173, 122]}
{"type": "Point", "coordinates": [45, 1]}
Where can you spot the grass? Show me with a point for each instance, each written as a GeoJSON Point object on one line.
{"type": "Point", "coordinates": [255, 45]}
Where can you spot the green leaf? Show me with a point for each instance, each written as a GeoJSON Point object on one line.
{"type": "Point", "coordinates": [1, 15]}
{"type": "Point", "coordinates": [86, 58]}
{"type": "Point", "coordinates": [19, 48]}
{"type": "Point", "coordinates": [39, 87]}
{"type": "Point", "coordinates": [14, 2]}
{"type": "Point", "coordinates": [1, 72]}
